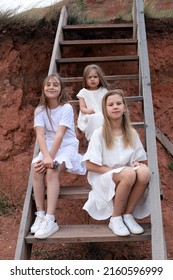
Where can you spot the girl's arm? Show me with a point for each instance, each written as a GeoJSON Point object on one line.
{"type": "Point", "coordinates": [48, 161]}
{"type": "Point", "coordinates": [96, 168]}
{"type": "Point", "coordinates": [83, 107]}
{"type": "Point", "coordinates": [58, 140]}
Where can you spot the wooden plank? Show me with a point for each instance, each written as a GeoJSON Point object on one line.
{"type": "Point", "coordinates": [127, 98]}
{"type": "Point", "coordinates": [98, 59]}
{"type": "Point", "coordinates": [23, 251]}
{"type": "Point", "coordinates": [99, 26]}
{"type": "Point", "coordinates": [88, 233]}
{"type": "Point", "coordinates": [138, 124]}
{"type": "Point", "coordinates": [98, 42]}
{"type": "Point", "coordinates": [164, 140]}
{"type": "Point", "coordinates": [56, 53]}
{"type": "Point", "coordinates": [73, 192]}
{"type": "Point", "coordinates": [158, 239]}
{"type": "Point", "coordinates": [108, 78]}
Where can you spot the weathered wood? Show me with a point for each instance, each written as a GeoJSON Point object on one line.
{"type": "Point", "coordinates": [56, 53]}
{"type": "Point", "coordinates": [23, 250]}
{"type": "Point", "coordinates": [98, 59]}
{"type": "Point", "coordinates": [164, 140]}
{"type": "Point", "coordinates": [108, 78]}
{"type": "Point", "coordinates": [100, 42]}
{"type": "Point", "coordinates": [134, 15]}
{"type": "Point", "coordinates": [127, 98]}
{"type": "Point", "coordinates": [158, 241]}
{"type": "Point", "coordinates": [88, 233]}
{"type": "Point", "coordinates": [100, 26]}
{"type": "Point", "coordinates": [73, 192]}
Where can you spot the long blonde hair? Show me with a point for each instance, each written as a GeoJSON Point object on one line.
{"type": "Point", "coordinates": [99, 72]}
{"type": "Point", "coordinates": [127, 129]}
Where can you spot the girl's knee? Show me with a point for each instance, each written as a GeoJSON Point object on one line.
{"type": "Point", "coordinates": [143, 174]}
{"type": "Point", "coordinates": [51, 174]}
{"type": "Point", "coordinates": [129, 175]}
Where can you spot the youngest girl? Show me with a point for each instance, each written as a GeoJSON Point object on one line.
{"type": "Point", "coordinates": [90, 98]}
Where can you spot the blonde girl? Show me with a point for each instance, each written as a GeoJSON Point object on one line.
{"type": "Point", "coordinates": [117, 170]}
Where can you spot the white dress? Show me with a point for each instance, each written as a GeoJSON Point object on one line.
{"type": "Point", "coordinates": [93, 100]}
{"type": "Point", "coordinates": [100, 201]}
{"type": "Point", "coordinates": [68, 151]}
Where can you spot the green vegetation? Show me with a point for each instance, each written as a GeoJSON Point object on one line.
{"type": "Point", "coordinates": [4, 205]}
{"type": "Point", "coordinates": [170, 165]}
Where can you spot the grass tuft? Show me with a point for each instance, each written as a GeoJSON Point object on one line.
{"type": "Point", "coordinates": [4, 205]}
{"type": "Point", "coordinates": [170, 165]}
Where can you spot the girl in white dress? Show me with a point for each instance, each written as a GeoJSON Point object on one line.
{"type": "Point", "coordinates": [55, 133]}
{"type": "Point", "coordinates": [117, 170]}
{"type": "Point", "coordinates": [90, 98]}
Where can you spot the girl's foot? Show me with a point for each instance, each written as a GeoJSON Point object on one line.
{"type": "Point", "coordinates": [132, 225]}
{"type": "Point", "coordinates": [118, 227]}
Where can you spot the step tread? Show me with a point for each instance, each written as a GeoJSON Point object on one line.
{"type": "Point", "coordinates": [88, 233]}
{"type": "Point", "coordinates": [97, 42]}
{"type": "Point", "coordinates": [98, 26]}
{"type": "Point", "coordinates": [79, 192]}
{"type": "Point", "coordinates": [127, 98]}
{"type": "Point", "coordinates": [96, 59]}
{"type": "Point", "coordinates": [108, 78]}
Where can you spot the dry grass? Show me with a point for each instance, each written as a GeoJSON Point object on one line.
{"type": "Point", "coordinates": [80, 11]}
{"type": "Point", "coordinates": [157, 9]}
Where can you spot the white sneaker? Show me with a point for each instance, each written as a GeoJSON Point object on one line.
{"type": "Point", "coordinates": [37, 223]}
{"type": "Point", "coordinates": [132, 225]}
{"type": "Point", "coordinates": [47, 228]}
{"type": "Point", "coordinates": [118, 227]}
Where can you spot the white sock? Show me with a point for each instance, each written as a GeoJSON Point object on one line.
{"type": "Point", "coordinates": [116, 217]}
{"type": "Point", "coordinates": [41, 213]}
{"type": "Point", "coordinates": [50, 217]}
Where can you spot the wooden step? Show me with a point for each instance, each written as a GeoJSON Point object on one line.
{"type": "Point", "coordinates": [73, 192]}
{"type": "Point", "coordinates": [127, 98]}
{"type": "Point", "coordinates": [97, 27]}
{"type": "Point", "coordinates": [97, 59]}
{"type": "Point", "coordinates": [108, 78]}
{"type": "Point", "coordinates": [79, 43]}
{"type": "Point", "coordinates": [88, 233]}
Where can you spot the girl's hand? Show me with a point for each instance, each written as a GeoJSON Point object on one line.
{"type": "Point", "coordinates": [91, 111]}
{"type": "Point", "coordinates": [48, 162]}
{"type": "Point", "coordinates": [39, 167]}
{"type": "Point", "coordinates": [136, 163]}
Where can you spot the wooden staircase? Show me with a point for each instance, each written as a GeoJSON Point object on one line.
{"type": "Point", "coordinates": [125, 68]}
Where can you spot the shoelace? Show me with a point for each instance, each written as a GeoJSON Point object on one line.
{"type": "Point", "coordinates": [38, 220]}
{"type": "Point", "coordinates": [44, 224]}
{"type": "Point", "coordinates": [120, 223]}
{"type": "Point", "coordinates": [132, 221]}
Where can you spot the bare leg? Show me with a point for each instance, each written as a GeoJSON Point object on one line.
{"type": "Point", "coordinates": [39, 189]}
{"type": "Point", "coordinates": [124, 181]}
{"type": "Point", "coordinates": [142, 179]}
{"type": "Point", "coordinates": [53, 187]}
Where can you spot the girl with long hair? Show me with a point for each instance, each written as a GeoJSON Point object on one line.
{"type": "Point", "coordinates": [55, 134]}
{"type": "Point", "coordinates": [117, 169]}
{"type": "Point", "coordinates": [90, 100]}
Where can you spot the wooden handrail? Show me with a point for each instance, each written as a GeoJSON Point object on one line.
{"type": "Point", "coordinates": [158, 245]}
